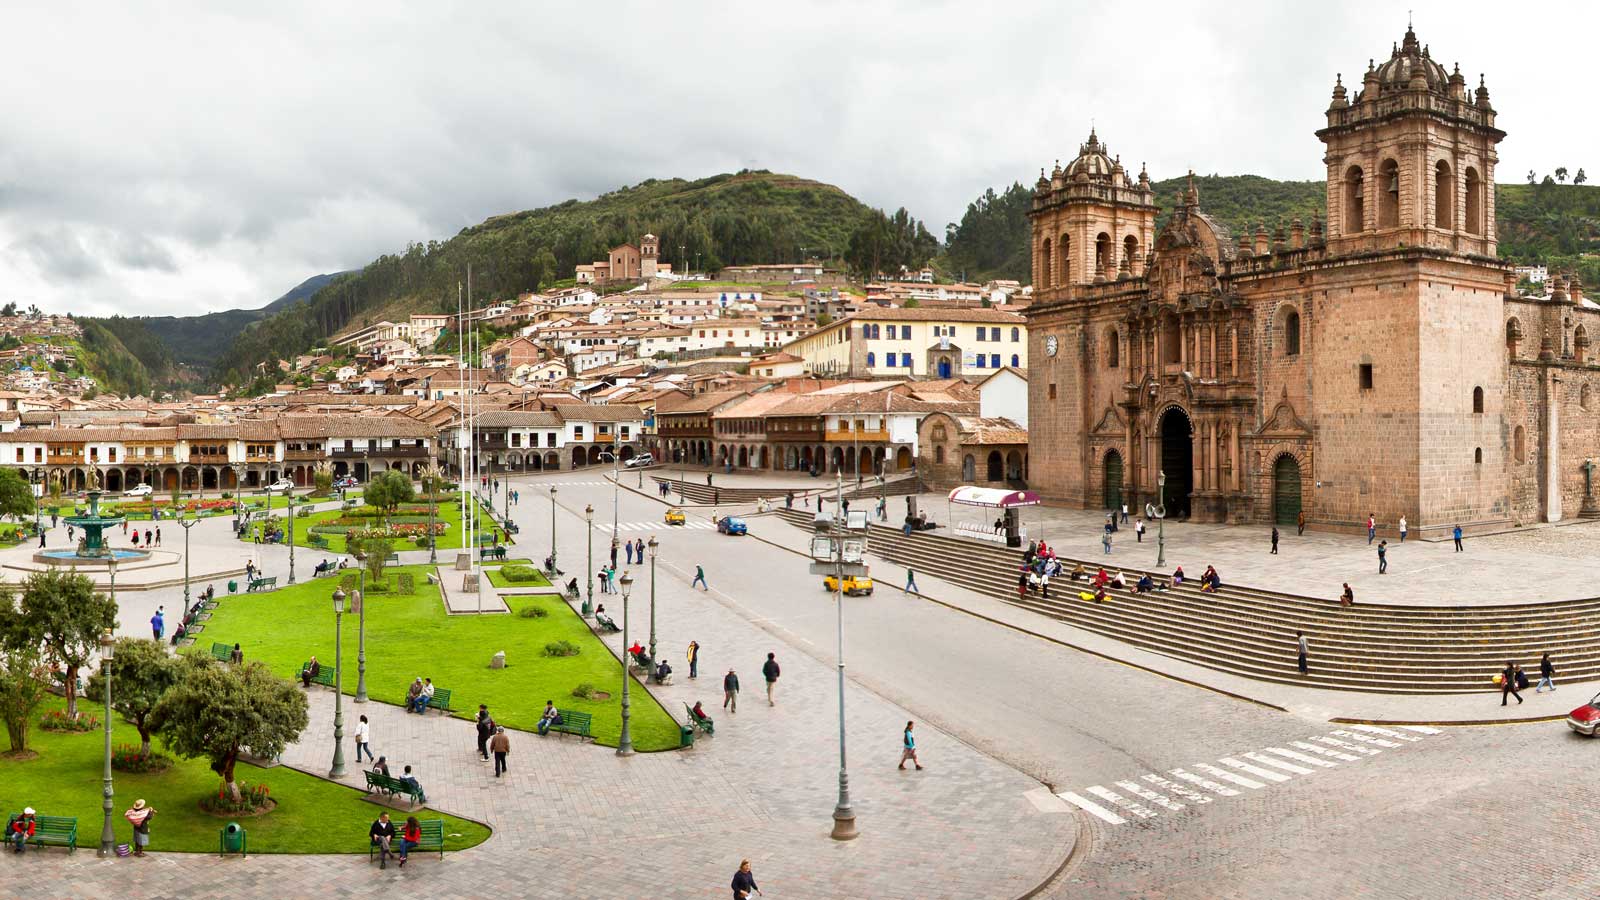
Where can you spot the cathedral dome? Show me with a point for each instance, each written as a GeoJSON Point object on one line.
{"type": "Point", "coordinates": [1408, 61]}
{"type": "Point", "coordinates": [1092, 161]}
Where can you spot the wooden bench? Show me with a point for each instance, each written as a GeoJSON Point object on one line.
{"type": "Point", "coordinates": [323, 677]}
{"type": "Point", "coordinates": [221, 652]}
{"type": "Point", "coordinates": [262, 584]}
{"type": "Point", "coordinates": [492, 553]}
{"type": "Point", "coordinates": [393, 786]}
{"type": "Point", "coordinates": [698, 723]}
{"type": "Point", "coordinates": [431, 837]}
{"type": "Point", "coordinates": [573, 723]}
{"type": "Point", "coordinates": [51, 831]}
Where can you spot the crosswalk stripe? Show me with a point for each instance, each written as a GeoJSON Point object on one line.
{"type": "Point", "coordinates": [1225, 775]}
{"type": "Point", "coordinates": [1373, 729]}
{"type": "Point", "coordinates": [1325, 751]}
{"type": "Point", "coordinates": [1144, 792]}
{"type": "Point", "coordinates": [1278, 764]}
{"type": "Point", "coordinates": [1194, 797]}
{"type": "Point", "coordinates": [1344, 745]}
{"type": "Point", "coordinates": [1142, 812]}
{"type": "Point", "coordinates": [1366, 739]}
{"type": "Point", "coordinates": [1253, 770]}
{"type": "Point", "coordinates": [1092, 808]}
{"type": "Point", "coordinates": [1420, 729]}
{"type": "Point", "coordinates": [1208, 784]}
{"type": "Point", "coordinates": [1308, 760]}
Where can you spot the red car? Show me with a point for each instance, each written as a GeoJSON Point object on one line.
{"type": "Point", "coordinates": [1586, 718]}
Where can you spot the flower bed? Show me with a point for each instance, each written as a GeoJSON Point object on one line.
{"type": "Point", "coordinates": [127, 758]}
{"type": "Point", "coordinates": [58, 720]}
{"type": "Point", "coordinates": [253, 801]}
{"type": "Point", "coordinates": [404, 531]}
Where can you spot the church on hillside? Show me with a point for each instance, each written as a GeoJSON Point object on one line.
{"type": "Point", "coordinates": [1376, 364]}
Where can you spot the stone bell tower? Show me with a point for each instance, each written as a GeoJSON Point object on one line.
{"type": "Point", "coordinates": [1091, 223]}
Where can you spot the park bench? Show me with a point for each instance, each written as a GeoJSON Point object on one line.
{"type": "Point", "coordinates": [604, 623]}
{"type": "Point", "coordinates": [51, 831]}
{"type": "Point", "coordinates": [392, 559]}
{"type": "Point", "coordinates": [392, 786]}
{"type": "Point", "coordinates": [698, 723]}
{"type": "Point", "coordinates": [511, 527]}
{"type": "Point", "coordinates": [262, 584]}
{"type": "Point", "coordinates": [432, 837]}
{"type": "Point", "coordinates": [488, 553]}
{"type": "Point", "coordinates": [318, 541]}
{"type": "Point", "coordinates": [440, 700]}
{"type": "Point", "coordinates": [324, 674]}
{"type": "Point", "coordinates": [221, 652]}
{"type": "Point", "coordinates": [573, 723]}
{"type": "Point", "coordinates": [325, 573]}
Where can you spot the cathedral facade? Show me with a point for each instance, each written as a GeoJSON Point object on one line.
{"type": "Point", "coordinates": [1376, 364]}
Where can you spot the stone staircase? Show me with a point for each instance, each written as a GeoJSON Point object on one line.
{"type": "Point", "coordinates": [1251, 632]}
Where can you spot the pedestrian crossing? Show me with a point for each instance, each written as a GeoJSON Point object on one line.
{"type": "Point", "coordinates": [658, 525]}
{"type": "Point", "coordinates": [1173, 791]}
{"type": "Point", "coordinates": [566, 483]}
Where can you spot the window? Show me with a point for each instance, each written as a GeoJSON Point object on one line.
{"type": "Point", "coordinates": [1016, 361]}
{"type": "Point", "coordinates": [1473, 221]}
{"type": "Point", "coordinates": [1043, 279]}
{"type": "Point", "coordinates": [994, 334]}
{"type": "Point", "coordinates": [981, 333]}
{"type": "Point", "coordinates": [994, 360]}
{"type": "Point", "coordinates": [1477, 456]}
{"type": "Point", "coordinates": [1444, 192]}
{"type": "Point", "coordinates": [939, 432]}
{"type": "Point", "coordinates": [905, 360]}
{"type": "Point", "coordinates": [1355, 201]}
{"type": "Point", "coordinates": [1052, 391]}
{"type": "Point", "coordinates": [1389, 199]}
{"type": "Point", "coordinates": [1291, 334]}
{"type": "Point", "coordinates": [905, 332]}
{"type": "Point", "coordinates": [550, 439]}
{"type": "Point", "coordinates": [1519, 444]}
{"type": "Point", "coordinates": [111, 452]}
{"type": "Point", "coordinates": [1477, 399]}
{"type": "Point", "coordinates": [1016, 334]}
{"type": "Point", "coordinates": [1113, 349]}
{"type": "Point", "coordinates": [624, 432]}
{"type": "Point", "coordinates": [938, 455]}
{"type": "Point", "coordinates": [1366, 376]}
{"type": "Point", "coordinates": [577, 432]}
{"type": "Point", "coordinates": [872, 360]}
{"type": "Point", "coordinates": [980, 362]}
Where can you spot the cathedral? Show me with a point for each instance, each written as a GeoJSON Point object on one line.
{"type": "Point", "coordinates": [1378, 363]}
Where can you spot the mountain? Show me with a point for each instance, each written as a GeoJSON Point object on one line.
{"type": "Point", "coordinates": [198, 341]}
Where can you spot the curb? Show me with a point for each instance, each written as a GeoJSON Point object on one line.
{"type": "Point", "coordinates": [1528, 720]}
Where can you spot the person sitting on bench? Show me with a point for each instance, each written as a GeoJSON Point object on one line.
{"type": "Point", "coordinates": [700, 713]}
{"type": "Point", "coordinates": [411, 782]}
{"type": "Point", "coordinates": [323, 566]}
{"type": "Point", "coordinates": [312, 670]}
{"type": "Point", "coordinates": [22, 829]}
{"type": "Point", "coordinates": [236, 656]}
{"type": "Point", "coordinates": [381, 766]}
{"type": "Point", "coordinates": [426, 697]}
{"type": "Point", "coordinates": [552, 716]}
{"type": "Point", "coordinates": [179, 632]}
{"type": "Point", "coordinates": [663, 672]}
{"type": "Point", "coordinates": [1145, 585]}
{"type": "Point", "coordinates": [572, 587]}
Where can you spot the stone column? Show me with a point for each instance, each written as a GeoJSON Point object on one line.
{"type": "Point", "coordinates": [1550, 447]}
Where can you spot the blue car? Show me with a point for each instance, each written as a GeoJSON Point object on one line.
{"type": "Point", "coordinates": [730, 525]}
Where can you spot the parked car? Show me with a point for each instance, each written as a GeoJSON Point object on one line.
{"type": "Point", "coordinates": [282, 485]}
{"type": "Point", "coordinates": [345, 482]}
{"type": "Point", "coordinates": [640, 461]}
{"type": "Point", "coordinates": [1586, 718]}
{"type": "Point", "coordinates": [853, 585]}
{"type": "Point", "coordinates": [732, 526]}
{"type": "Point", "coordinates": [675, 516]}
{"type": "Point", "coordinates": [140, 490]}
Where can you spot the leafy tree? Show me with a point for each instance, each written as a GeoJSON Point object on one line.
{"type": "Point", "coordinates": [546, 269]}
{"type": "Point", "coordinates": [16, 495]}
{"type": "Point", "coordinates": [1548, 180]}
{"type": "Point", "coordinates": [1561, 174]}
{"type": "Point", "coordinates": [388, 490]}
{"type": "Point", "coordinates": [21, 692]}
{"type": "Point", "coordinates": [215, 712]}
{"type": "Point", "coordinates": [377, 551]}
{"type": "Point", "coordinates": [913, 303]}
{"type": "Point", "coordinates": [61, 612]}
{"type": "Point", "coordinates": [1532, 178]}
{"type": "Point", "coordinates": [141, 673]}
{"type": "Point", "coordinates": [824, 320]}
{"type": "Point", "coordinates": [1580, 178]}
{"type": "Point", "coordinates": [10, 309]}
{"type": "Point", "coordinates": [322, 481]}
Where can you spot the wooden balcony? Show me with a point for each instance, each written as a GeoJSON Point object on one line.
{"type": "Point", "coordinates": [845, 437]}
{"type": "Point", "coordinates": [208, 459]}
{"type": "Point", "coordinates": [316, 455]}
{"type": "Point", "coordinates": [64, 459]}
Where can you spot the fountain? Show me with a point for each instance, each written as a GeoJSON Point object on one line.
{"type": "Point", "coordinates": [92, 548]}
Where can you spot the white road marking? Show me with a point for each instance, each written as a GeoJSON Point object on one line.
{"type": "Point", "coordinates": [1278, 764]}
{"type": "Point", "coordinates": [1420, 729]}
{"type": "Point", "coordinates": [1301, 757]}
{"type": "Point", "coordinates": [1373, 729]}
{"type": "Point", "coordinates": [1225, 775]}
{"type": "Point", "coordinates": [1366, 739]}
{"type": "Point", "coordinates": [1142, 812]}
{"type": "Point", "coordinates": [1344, 745]}
{"type": "Point", "coordinates": [1092, 808]}
{"type": "Point", "coordinates": [1257, 771]}
{"type": "Point", "coordinates": [1046, 802]}
{"type": "Point", "coordinates": [1194, 797]}
{"type": "Point", "coordinates": [1208, 784]}
{"type": "Point", "coordinates": [1144, 792]}
{"type": "Point", "coordinates": [1325, 751]}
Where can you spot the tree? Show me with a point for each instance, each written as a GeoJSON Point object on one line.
{"type": "Point", "coordinates": [141, 674]}
{"type": "Point", "coordinates": [378, 551]}
{"type": "Point", "coordinates": [62, 613]}
{"type": "Point", "coordinates": [16, 495]}
{"type": "Point", "coordinates": [215, 712]}
{"type": "Point", "coordinates": [1548, 180]}
{"type": "Point", "coordinates": [824, 320]}
{"type": "Point", "coordinates": [1532, 178]}
{"type": "Point", "coordinates": [21, 692]}
{"type": "Point", "coordinates": [545, 268]}
{"type": "Point", "coordinates": [10, 309]}
{"type": "Point", "coordinates": [1561, 174]}
{"type": "Point", "coordinates": [322, 481]}
{"type": "Point", "coordinates": [913, 303]}
{"type": "Point", "coordinates": [1580, 178]}
{"type": "Point", "coordinates": [388, 490]}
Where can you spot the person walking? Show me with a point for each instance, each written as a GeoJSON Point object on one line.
{"type": "Point", "coordinates": [1300, 522]}
{"type": "Point", "coordinates": [499, 745]}
{"type": "Point", "coordinates": [41, 539]}
{"type": "Point", "coordinates": [158, 537]}
{"type": "Point", "coordinates": [744, 881]}
{"type": "Point", "coordinates": [730, 691]}
{"type": "Point", "coordinates": [769, 671]}
{"type": "Point", "coordinates": [1124, 513]}
{"type": "Point", "coordinates": [1138, 531]}
{"type": "Point", "coordinates": [1383, 557]}
{"type": "Point", "coordinates": [158, 623]}
{"type": "Point", "coordinates": [1105, 540]}
{"type": "Point", "coordinates": [909, 748]}
{"type": "Point", "coordinates": [485, 728]}
{"type": "Point", "coordinates": [1508, 682]}
{"type": "Point", "coordinates": [911, 582]}
{"type": "Point", "coordinates": [1457, 535]}
{"type": "Point", "coordinates": [1274, 540]}
{"type": "Point", "coordinates": [139, 816]}
{"type": "Point", "coordinates": [1547, 674]}
{"type": "Point", "coordinates": [700, 579]}
{"type": "Point", "coordinates": [1304, 652]}
{"type": "Point", "coordinates": [694, 660]}
{"type": "Point", "coordinates": [1402, 529]}
{"type": "Point", "coordinates": [363, 738]}
{"type": "Point", "coordinates": [613, 555]}
{"type": "Point", "coordinates": [1372, 527]}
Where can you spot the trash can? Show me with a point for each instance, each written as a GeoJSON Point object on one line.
{"type": "Point", "coordinates": [233, 587]}
{"type": "Point", "coordinates": [685, 736]}
{"type": "Point", "coordinates": [232, 840]}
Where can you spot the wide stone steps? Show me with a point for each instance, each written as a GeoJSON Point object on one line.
{"type": "Point", "coordinates": [699, 493]}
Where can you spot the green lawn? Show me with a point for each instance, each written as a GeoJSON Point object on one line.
{"type": "Point", "coordinates": [313, 815]}
{"type": "Point", "coordinates": [499, 580]}
{"type": "Point", "coordinates": [448, 513]}
{"type": "Point", "coordinates": [410, 636]}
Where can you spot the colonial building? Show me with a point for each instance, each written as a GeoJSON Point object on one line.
{"type": "Point", "coordinates": [1379, 365]}
{"type": "Point", "coordinates": [915, 343]}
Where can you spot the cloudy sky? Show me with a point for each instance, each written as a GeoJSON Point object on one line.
{"type": "Point", "coordinates": [179, 159]}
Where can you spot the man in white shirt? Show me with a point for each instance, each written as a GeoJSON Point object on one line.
{"type": "Point", "coordinates": [363, 734]}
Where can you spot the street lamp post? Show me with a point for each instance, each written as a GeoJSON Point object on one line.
{"type": "Point", "coordinates": [187, 524]}
{"type": "Point", "coordinates": [588, 602]}
{"type": "Point", "coordinates": [290, 528]}
{"type": "Point", "coordinates": [108, 835]}
{"type": "Point", "coordinates": [433, 539]}
{"type": "Point", "coordinates": [1160, 514]}
{"type": "Point", "coordinates": [337, 771]}
{"type": "Point", "coordinates": [652, 545]}
{"type": "Point", "coordinates": [360, 601]}
{"type": "Point", "coordinates": [844, 816]}
{"type": "Point", "coordinates": [553, 569]}
{"type": "Point", "coordinates": [625, 742]}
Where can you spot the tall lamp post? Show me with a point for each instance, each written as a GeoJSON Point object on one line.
{"type": "Point", "coordinates": [625, 742]}
{"type": "Point", "coordinates": [553, 569]}
{"type": "Point", "coordinates": [433, 539]}
{"type": "Point", "coordinates": [588, 602]}
{"type": "Point", "coordinates": [290, 528]}
{"type": "Point", "coordinates": [1159, 513]}
{"type": "Point", "coordinates": [108, 835]}
{"type": "Point", "coordinates": [187, 524]}
{"type": "Point", "coordinates": [835, 553]}
{"type": "Point", "coordinates": [337, 771]}
{"type": "Point", "coordinates": [652, 545]}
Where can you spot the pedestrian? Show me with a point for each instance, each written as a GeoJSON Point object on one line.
{"type": "Point", "coordinates": [629, 545]}
{"type": "Point", "coordinates": [158, 623]}
{"type": "Point", "coordinates": [1348, 598]}
{"type": "Point", "coordinates": [1022, 583]}
{"type": "Point", "coordinates": [1383, 557]}
{"type": "Point", "coordinates": [1105, 540]}
{"type": "Point", "coordinates": [638, 550]}
{"type": "Point", "coordinates": [363, 737]}
{"type": "Point", "coordinates": [845, 505]}
{"type": "Point", "coordinates": [69, 535]}
{"type": "Point", "coordinates": [124, 525]}
{"type": "Point", "coordinates": [135, 538]}
{"type": "Point", "coordinates": [700, 579]}
{"type": "Point", "coordinates": [249, 570]}
{"type": "Point", "coordinates": [1508, 682]}
{"type": "Point", "coordinates": [708, 479]}
{"type": "Point", "coordinates": [1274, 540]}
{"type": "Point", "coordinates": [485, 728]}
{"type": "Point", "coordinates": [41, 539]}
{"type": "Point", "coordinates": [1547, 674]}
{"type": "Point", "coordinates": [788, 500]}
{"type": "Point", "coordinates": [1402, 529]}
{"type": "Point", "coordinates": [147, 538]}
{"type": "Point", "coordinates": [909, 748]}
{"type": "Point", "coordinates": [1372, 527]}
{"type": "Point", "coordinates": [500, 745]}
{"type": "Point", "coordinates": [1124, 513]}
{"type": "Point", "coordinates": [1300, 641]}
{"type": "Point", "coordinates": [158, 537]}
{"type": "Point", "coordinates": [730, 691]}
{"type": "Point", "coordinates": [744, 881]}
{"type": "Point", "coordinates": [1457, 535]}
{"type": "Point", "coordinates": [769, 671]}
{"type": "Point", "coordinates": [911, 582]}
{"type": "Point", "coordinates": [21, 830]}
{"type": "Point", "coordinates": [139, 816]}
{"type": "Point", "coordinates": [1138, 531]}
{"type": "Point", "coordinates": [694, 660]}
{"type": "Point", "coordinates": [382, 836]}
{"type": "Point", "coordinates": [1300, 522]}
{"type": "Point", "coordinates": [613, 554]}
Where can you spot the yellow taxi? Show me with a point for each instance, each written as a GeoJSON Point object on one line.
{"type": "Point", "coordinates": [854, 585]}
{"type": "Point", "coordinates": [675, 516]}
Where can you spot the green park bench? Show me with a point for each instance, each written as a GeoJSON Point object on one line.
{"type": "Point", "coordinates": [51, 831]}
{"type": "Point", "coordinates": [492, 553]}
{"type": "Point", "coordinates": [604, 623]}
{"type": "Point", "coordinates": [573, 723]}
{"type": "Point", "coordinates": [699, 724]}
{"type": "Point", "coordinates": [440, 700]}
{"type": "Point", "coordinates": [318, 541]}
{"type": "Point", "coordinates": [221, 652]}
{"type": "Point", "coordinates": [262, 584]}
{"type": "Point", "coordinates": [324, 674]}
{"type": "Point", "coordinates": [432, 837]}
{"type": "Point", "coordinates": [392, 559]}
{"type": "Point", "coordinates": [377, 781]}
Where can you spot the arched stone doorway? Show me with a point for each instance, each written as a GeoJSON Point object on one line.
{"type": "Point", "coordinates": [1286, 490]}
{"type": "Point", "coordinates": [744, 458]}
{"type": "Point", "coordinates": [594, 456]}
{"type": "Point", "coordinates": [969, 469]}
{"type": "Point", "coordinates": [114, 481]}
{"type": "Point", "coordinates": [1112, 489]}
{"type": "Point", "coordinates": [1014, 466]}
{"type": "Point", "coordinates": [579, 458]}
{"type": "Point", "coordinates": [627, 453]}
{"type": "Point", "coordinates": [552, 461]}
{"type": "Point", "coordinates": [996, 467]}
{"type": "Point", "coordinates": [902, 459]}
{"type": "Point", "coordinates": [1177, 461]}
